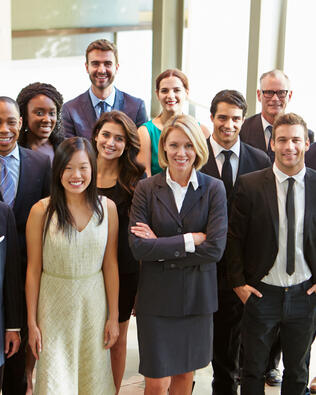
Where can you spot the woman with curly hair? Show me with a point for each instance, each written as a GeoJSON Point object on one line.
{"type": "Point", "coordinates": [40, 106]}
{"type": "Point", "coordinates": [116, 143]}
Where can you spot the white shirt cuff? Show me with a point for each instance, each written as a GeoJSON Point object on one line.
{"type": "Point", "coordinates": [13, 330]}
{"type": "Point", "coordinates": [189, 242]}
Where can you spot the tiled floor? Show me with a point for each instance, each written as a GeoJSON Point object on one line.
{"type": "Point", "coordinates": [133, 382]}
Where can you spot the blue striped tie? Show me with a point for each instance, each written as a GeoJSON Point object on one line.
{"type": "Point", "coordinates": [7, 187]}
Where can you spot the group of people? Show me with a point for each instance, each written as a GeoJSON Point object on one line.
{"type": "Point", "coordinates": [207, 238]}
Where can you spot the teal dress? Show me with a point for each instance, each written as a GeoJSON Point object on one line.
{"type": "Point", "coordinates": [154, 134]}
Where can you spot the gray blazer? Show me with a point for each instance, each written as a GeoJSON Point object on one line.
{"type": "Point", "coordinates": [78, 114]}
{"type": "Point", "coordinates": [174, 282]}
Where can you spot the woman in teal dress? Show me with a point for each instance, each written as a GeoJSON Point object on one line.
{"type": "Point", "coordinates": [172, 88]}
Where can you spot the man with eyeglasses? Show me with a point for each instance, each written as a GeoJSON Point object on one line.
{"type": "Point", "coordinates": [274, 95]}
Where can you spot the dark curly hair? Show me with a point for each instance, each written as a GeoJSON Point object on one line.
{"type": "Point", "coordinates": [26, 94]}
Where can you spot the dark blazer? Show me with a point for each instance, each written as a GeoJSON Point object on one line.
{"type": "Point", "coordinates": [34, 184]}
{"type": "Point", "coordinates": [174, 282]}
{"type": "Point", "coordinates": [78, 114]}
{"type": "Point", "coordinates": [252, 243]}
{"type": "Point", "coordinates": [250, 159]}
{"type": "Point", "coordinates": [11, 289]}
{"type": "Point", "coordinates": [252, 132]}
{"type": "Point", "coordinates": [310, 157]}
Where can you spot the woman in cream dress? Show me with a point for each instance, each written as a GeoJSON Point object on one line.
{"type": "Point", "coordinates": [72, 279]}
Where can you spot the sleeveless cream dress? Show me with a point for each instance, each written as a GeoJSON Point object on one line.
{"type": "Point", "coordinates": [71, 313]}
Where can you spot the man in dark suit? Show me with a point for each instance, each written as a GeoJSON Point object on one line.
{"type": "Point", "coordinates": [228, 111]}
{"type": "Point", "coordinates": [272, 259]}
{"type": "Point", "coordinates": [10, 288]}
{"type": "Point", "coordinates": [80, 114]}
{"type": "Point", "coordinates": [274, 95]}
{"type": "Point", "coordinates": [24, 179]}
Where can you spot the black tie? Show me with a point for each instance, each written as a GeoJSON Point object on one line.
{"type": "Point", "coordinates": [290, 212]}
{"type": "Point", "coordinates": [269, 150]}
{"type": "Point", "coordinates": [227, 172]}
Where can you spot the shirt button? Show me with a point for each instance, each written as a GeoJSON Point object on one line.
{"type": "Point", "coordinates": [179, 230]}
{"type": "Point", "coordinates": [177, 253]}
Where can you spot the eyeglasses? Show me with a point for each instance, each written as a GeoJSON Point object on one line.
{"type": "Point", "coordinates": [280, 93]}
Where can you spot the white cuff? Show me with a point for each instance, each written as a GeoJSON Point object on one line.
{"type": "Point", "coordinates": [189, 242]}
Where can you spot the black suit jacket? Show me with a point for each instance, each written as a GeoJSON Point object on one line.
{"type": "Point", "coordinates": [78, 114]}
{"type": "Point", "coordinates": [174, 282]}
{"type": "Point", "coordinates": [252, 243]}
{"type": "Point", "coordinates": [34, 184]}
{"type": "Point", "coordinates": [252, 133]}
{"type": "Point", "coordinates": [310, 157]}
{"type": "Point", "coordinates": [10, 267]}
{"type": "Point", "coordinates": [250, 159]}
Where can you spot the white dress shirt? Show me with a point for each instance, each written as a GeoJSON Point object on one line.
{"type": "Point", "coordinates": [267, 133]}
{"type": "Point", "coordinates": [220, 158]}
{"type": "Point", "coordinates": [278, 275]}
{"type": "Point", "coordinates": [179, 193]}
{"type": "Point", "coordinates": [95, 101]}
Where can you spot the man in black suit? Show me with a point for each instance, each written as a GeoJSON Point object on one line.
{"type": "Point", "coordinates": [81, 113]}
{"type": "Point", "coordinates": [274, 95]}
{"type": "Point", "coordinates": [25, 179]}
{"type": "Point", "coordinates": [272, 259]}
{"type": "Point", "coordinates": [228, 111]}
{"type": "Point", "coordinates": [10, 288]}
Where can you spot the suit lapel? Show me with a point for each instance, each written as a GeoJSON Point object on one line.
{"type": "Point", "coordinates": [87, 109]}
{"type": "Point", "coordinates": [25, 171]}
{"type": "Point", "coordinates": [191, 198]}
{"type": "Point", "coordinates": [164, 194]}
{"type": "Point", "coordinates": [310, 192]}
{"type": "Point", "coordinates": [118, 101]}
{"type": "Point", "coordinates": [211, 166]}
{"type": "Point", "coordinates": [270, 193]}
{"type": "Point", "coordinates": [243, 163]}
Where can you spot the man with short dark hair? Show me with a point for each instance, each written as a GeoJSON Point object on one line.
{"type": "Point", "coordinates": [274, 95]}
{"type": "Point", "coordinates": [271, 250]}
{"type": "Point", "coordinates": [80, 114]}
{"type": "Point", "coordinates": [228, 159]}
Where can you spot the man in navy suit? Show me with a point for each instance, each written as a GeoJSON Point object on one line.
{"type": "Point", "coordinates": [228, 111]}
{"type": "Point", "coordinates": [24, 179]}
{"type": "Point", "coordinates": [272, 259]}
{"type": "Point", "coordinates": [10, 288]}
{"type": "Point", "coordinates": [274, 95]}
{"type": "Point", "coordinates": [80, 114]}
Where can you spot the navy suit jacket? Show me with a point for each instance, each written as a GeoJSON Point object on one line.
{"type": "Point", "coordinates": [34, 184]}
{"type": "Point", "coordinates": [11, 289]}
{"type": "Point", "coordinates": [78, 114]}
{"type": "Point", "coordinates": [174, 282]}
{"type": "Point", "coordinates": [250, 159]}
{"type": "Point", "coordinates": [252, 243]}
{"type": "Point", "coordinates": [252, 133]}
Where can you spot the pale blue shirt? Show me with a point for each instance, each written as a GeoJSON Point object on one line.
{"type": "Point", "coordinates": [179, 193]}
{"type": "Point", "coordinates": [13, 165]}
{"type": "Point", "coordinates": [95, 101]}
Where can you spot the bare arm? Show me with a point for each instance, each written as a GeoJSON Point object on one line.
{"type": "Point", "coordinates": [144, 155]}
{"type": "Point", "coordinates": [111, 279]}
{"type": "Point", "coordinates": [34, 234]}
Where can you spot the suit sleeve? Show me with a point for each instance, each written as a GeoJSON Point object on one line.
{"type": "Point", "coordinates": [13, 289]}
{"type": "Point", "coordinates": [173, 248]}
{"type": "Point", "coordinates": [67, 122]}
{"type": "Point", "coordinates": [141, 116]}
{"type": "Point", "coordinates": [237, 231]}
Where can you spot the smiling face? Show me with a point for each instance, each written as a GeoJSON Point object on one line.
{"type": "Point", "coordinates": [227, 122]}
{"type": "Point", "coordinates": [111, 141]}
{"type": "Point", "coordinates": [289, 146]}
{"type": "Point", "coordinates": [172, 94]}
{"type": "Point", "coordinates": [180, 154]}
{"type": "Point", "coordinates": [77, 174]}
{"type": "Point", "coordinates": [273, 106]}
{"type": "Point", "coordinates": [41, 116]}
{"type": "Point", "coordinates": [102, 68]}
{"type": "Point", "coordinates": [10, 125]}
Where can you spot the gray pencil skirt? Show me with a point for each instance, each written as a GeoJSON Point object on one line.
{"type": "Point", "coordinates": [174, 345]}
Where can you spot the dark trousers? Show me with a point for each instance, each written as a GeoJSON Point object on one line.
{"type": "Point", "coordinates": [291, 311]}
{"type": "Point", "coordinates": [14, 381]}
{"type": "Point", "coordinates": [226, 345]}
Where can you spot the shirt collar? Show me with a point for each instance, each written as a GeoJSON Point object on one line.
{"type": "Point", "coordinates": [217, 148]}
{"type": "Point", "coordinates": [281, 177]}
{"type": "Point", "coordinates": [15, 153]}
{"type": "Point", "coordinates": [265, 123]}
{"type": "Point", "coordinates": [193, 179]}
{"type": "Point", "coordinates": [109, 100]}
